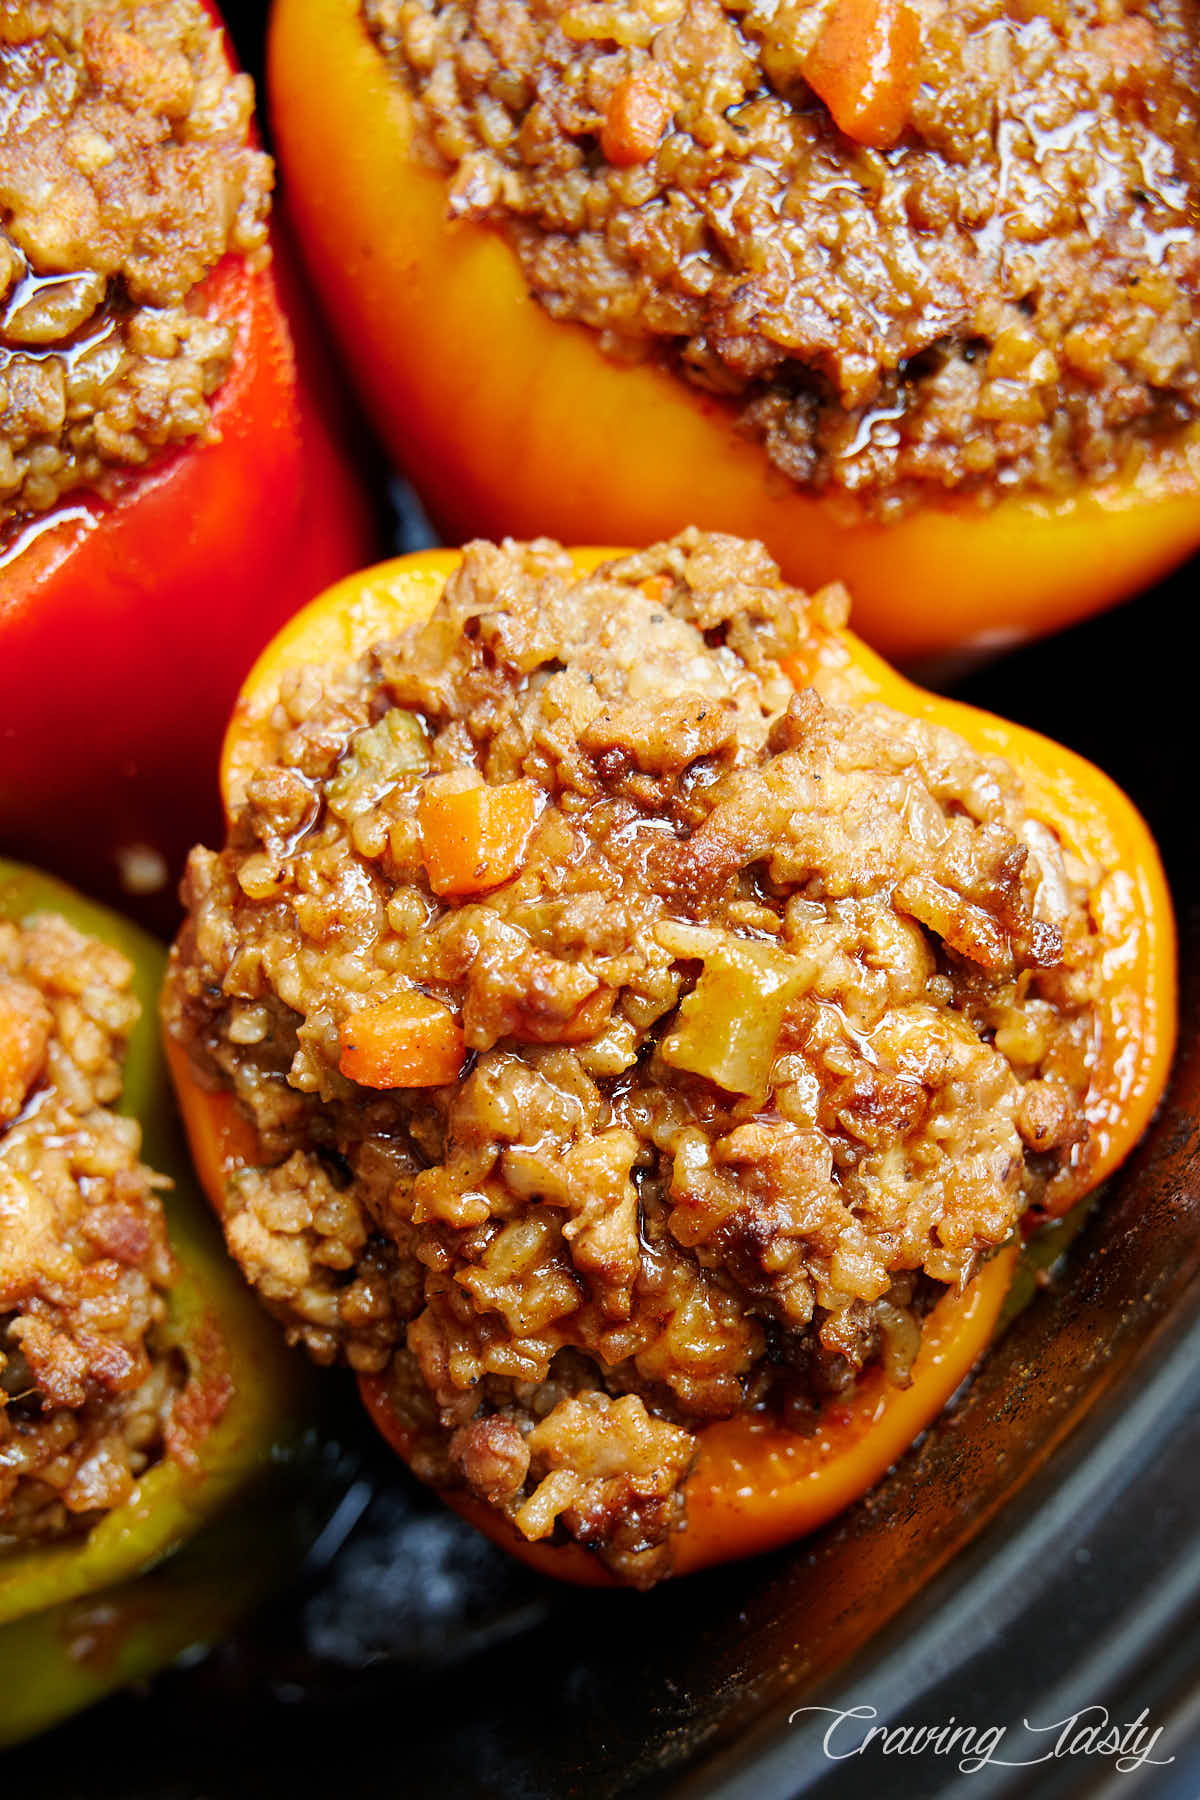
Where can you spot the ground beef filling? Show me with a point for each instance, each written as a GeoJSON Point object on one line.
{"type": "Point", "coordinates": [755, 1018]}
{"type": "Point", "coordinates": [125, 177]}
{"type": "Point", "coordinates": [1004, 299]}
{"type": "Point", "coordinates": [86, 1393]}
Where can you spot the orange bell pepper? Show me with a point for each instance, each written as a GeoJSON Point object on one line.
{"type": "Point", "coordinates": [512, 422]}
{"type": "Point", "coordinates": [126, 622]}
{"type": "Point", "coordinates": [755, 1486]}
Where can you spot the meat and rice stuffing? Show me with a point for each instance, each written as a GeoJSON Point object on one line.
{"type": "Point", "coordinates": [995, 290]}
{"type": "Point", "coordinates": [87, 1395]}
{"type": "Point", "coordinates": [630, 1036]}
{"type": "Point", "coordinates": [125, 177]}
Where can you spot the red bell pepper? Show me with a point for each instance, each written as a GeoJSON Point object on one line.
{"type": "Point", "coordinates": [127, 621]}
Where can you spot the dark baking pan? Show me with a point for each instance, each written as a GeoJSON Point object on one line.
{"type": "Point", "coordinates": [1035, 1556]}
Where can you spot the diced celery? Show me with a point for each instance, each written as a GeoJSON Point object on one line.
{"type": "Point", "coordinates": [728, 1026]}
{"type": "Point", "coordinates": [378, 759]}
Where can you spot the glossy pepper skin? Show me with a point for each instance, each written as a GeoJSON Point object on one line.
{"type": "Point", "coordinates": [125, 623]}
{"type": "Point", "coordinates": [195, 1545]}
{"type": "Point", "coordinates": [511, 422]}
{"type": "Point", "coordinates": [752, 1487]}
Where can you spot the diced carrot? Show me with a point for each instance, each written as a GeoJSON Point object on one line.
{"type": "Point", "coordinates": [864, 67]}
{"type": "Point", "coordinates": [410, 1042]}
{"type": "Point", "coordinates": [472, 839]}
{"type": "Point", "coordinates": [635, 119]}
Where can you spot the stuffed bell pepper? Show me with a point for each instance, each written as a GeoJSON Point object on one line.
{"type": "Point", "coordinates": [170, 484]}
{"type": "Point", "coordinates": [632, 1027]}
{"type": "Point", "coordinates": [152, 1423]}
{"type": "Point", "coordinates": [907, 292]}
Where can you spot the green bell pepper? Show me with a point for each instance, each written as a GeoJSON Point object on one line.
{"type": "Point", "coordinates": [195, 1544]}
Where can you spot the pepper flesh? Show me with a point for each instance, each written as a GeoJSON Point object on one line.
{"type": "Point", "coordinates": [147, 1572]}
{"type": "Point", "coordinates": [512, 422]}
{"type": "Point", "coordinates": [754, 1485]}
{"type": "Point", "coordinates": [126, 623]}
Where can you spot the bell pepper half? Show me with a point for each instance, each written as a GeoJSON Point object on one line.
{"type": "Point", "coordinates": [510, 422]}
{"type": "Point", "coordinates": [195, 1545]}
{"type": "Point", "coordinates": [755, 1486]}
{"type": "Point", "coordinates": [127, 621]}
